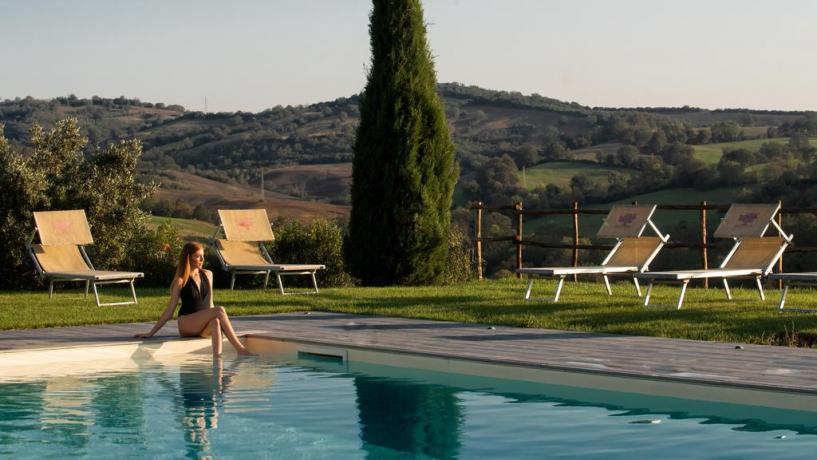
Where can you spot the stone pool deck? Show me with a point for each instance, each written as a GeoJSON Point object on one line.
{"type": "Point", "coordinates": [747, 366]}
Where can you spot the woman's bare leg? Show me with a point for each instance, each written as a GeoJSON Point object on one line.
{"type": "Point", "coordinates": [215, 331]}
{"type": "Point", "coordinates": [194, 324]}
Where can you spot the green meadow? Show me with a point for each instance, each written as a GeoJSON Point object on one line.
{"type": "Point", "coordinates": [559, 173]}
{"type": "Point", "coordinates": [711, 153]}
{"type": "Point", "coordinates": [584, 306]}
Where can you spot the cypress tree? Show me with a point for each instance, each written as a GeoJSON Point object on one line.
{"type": "Point", "coordinates": [404, 170]}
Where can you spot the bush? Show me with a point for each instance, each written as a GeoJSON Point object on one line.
{"type": "Point", "coordinates": [318, 243]}
{"type": "Point", "coordinates": [459, 267]}
{"type": "Point", "coordinates": [60, 174]}
{"type": "Point", "coordinates": [155, 253]}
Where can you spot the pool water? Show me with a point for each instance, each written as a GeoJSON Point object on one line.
{"type": "Point", "coordinates": [188, 406]}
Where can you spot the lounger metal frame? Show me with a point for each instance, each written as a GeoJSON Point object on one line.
{"type": "Point", "coordinates": [265, 271]}
{"type": "Point", "coordinates": [88, 281]}
{"type": "Point", "coordinates": [722, 272]}
{"type": "Point", "coordinates": [790, 279]}
{"type": "Point", "coordinates": [563, 272]}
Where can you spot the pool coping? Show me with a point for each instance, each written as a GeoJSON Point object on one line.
{"type": "Point", "coordinates": [756, 367]}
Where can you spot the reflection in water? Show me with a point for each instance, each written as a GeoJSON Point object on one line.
{"type": "Point", "coordinates": [118, 407]}
{"type": "Point", "coordinates": [408, 417]}
{"type": "Point", "coordinates": [65, 414]}
{"type": "Point", "coordinates": [20, 409]}
{"type": "Point", "coordinates": [201, 390]}
{"type": "Point", "coordinates": [195, 407]}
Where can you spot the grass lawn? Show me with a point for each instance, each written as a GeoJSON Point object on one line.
{"type": "Point", "coordinates": [186, 227]}
{"type": "Point", "coordinates": [711, 153]}
{"type": "Point", "coordinates": [559, 173]}
{"type": "Point", "coordinates": [584, 307]}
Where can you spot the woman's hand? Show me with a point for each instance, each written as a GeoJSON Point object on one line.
{"type": "Point", "coordinates": [143, 336]}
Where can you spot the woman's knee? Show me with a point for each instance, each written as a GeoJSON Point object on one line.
{"type": "Point", "coordinates": [221, 313]}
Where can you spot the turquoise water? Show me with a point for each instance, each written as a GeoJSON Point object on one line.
{"type": "Point", "coordinates": [311, 408]}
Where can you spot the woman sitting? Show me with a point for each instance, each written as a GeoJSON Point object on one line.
{"type": "Point", "coordinates": [197, 315]}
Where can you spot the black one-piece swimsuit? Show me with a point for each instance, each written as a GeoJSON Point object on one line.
{"type": "Point", "coordinates": [194, 297]}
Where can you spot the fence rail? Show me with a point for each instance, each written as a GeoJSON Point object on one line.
{"type": "Point", "coordinates": [519, 212]}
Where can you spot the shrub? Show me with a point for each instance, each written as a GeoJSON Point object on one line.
{"type": "Point", "coordinates": [459, 266]}
{"type": "Point", "coordinates": [60, 174]}
{"type": "Point", "coordinates": [155, 253]}
{"type": "Point", "coordinates": [318, 243]}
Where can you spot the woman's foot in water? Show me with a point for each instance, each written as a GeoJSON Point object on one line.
{"type": "Point", "coordinates": [245, 352]}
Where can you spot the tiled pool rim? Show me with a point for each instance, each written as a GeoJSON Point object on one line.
{"type": "Point", "coordinates": [655, 362]}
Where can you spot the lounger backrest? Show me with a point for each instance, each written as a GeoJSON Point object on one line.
{"type": "Point", "coordinates": [626, 221]}
{"type": "Point", "coordinates": [246, 224]}
{"type": "Point", "coordinates": [746, 220]}
{"type": "Point", "coordinates": [756, 253]}
{"type": "Point", "coordinates": [635, 252]}
{"type": "Point", "coordinates": [239, 253]}
{"type": "Point", "coordinates": [63, 227]}
{"type": "Point", "coordinates": [60, 258]}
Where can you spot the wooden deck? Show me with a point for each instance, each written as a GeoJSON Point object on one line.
{"type": "Point", "coordinates": [752, 366]}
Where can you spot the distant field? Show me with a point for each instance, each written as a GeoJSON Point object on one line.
{"type": "Point", "coordinates": [711, 153]}
{"type": "Point", "coordinates": [559, 173]}
{"type": "Point", "coordinates": [589, 153]}
{"type": "Point", "coordinates": [194, 190]}
{"type": "Point", "coordinates": [185, 227]}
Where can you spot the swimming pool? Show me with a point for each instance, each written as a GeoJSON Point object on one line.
{"type": "Point", "coordinates": [313, 402]}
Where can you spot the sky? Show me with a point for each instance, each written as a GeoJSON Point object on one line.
{"type": "Point", "coordinates": [252, 55]}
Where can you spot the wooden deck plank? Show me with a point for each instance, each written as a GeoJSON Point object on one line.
{"type": "Point", "coordinates": [757, 366]}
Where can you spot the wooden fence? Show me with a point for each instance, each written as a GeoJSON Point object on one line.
{"type": "Point", "coordinates": [575, 211]}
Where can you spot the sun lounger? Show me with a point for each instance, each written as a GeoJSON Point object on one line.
{"type": "Point", "coordinates": [752, 256]}
{"type": "Point", "coordinates": [61, 255]}
{"type": "Point", "coordinates": [789, 279]}
{"type": "Point", "coordinates": [631, 254]}
{"type": "Point", "coordinates": [242, 252]}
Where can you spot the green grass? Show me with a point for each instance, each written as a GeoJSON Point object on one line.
{"type": "Point", "coordinates": [711, 153]}
{"type": "Point", "coordinates": [186, 227]}
{"type": "Point", "coordinates": [559, 173]}
{"type": "Point", "coordinates": [584, 307]}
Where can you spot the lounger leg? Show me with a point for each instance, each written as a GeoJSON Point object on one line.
{"type": "Point", "coordinates": [280, 283]}
{"type": "Point", "coordinates": [50, 289]}
{"type": "Point", "coordinates": [133, 292]}
{"type": "Point", "coordinates": [607, 285]}
{"type": "Point", "coordinates": [232, 282]}
{"type": "Point", "coordinates": [681, 297]}
{"type": "Point", "coordinates": [96, 294]}
{"type": "Point", "coordinates": [647, 297]}
{"type": "Point", "coordinates": [266, 280]}
{"type": "Point", "coordinates": [760, 289]}
{"type": "Point", "coordinates": [87, 285]}
{"type": "Point", "coordinates": [637, 286]}
{"type": "Point", "coordinates": [559, 288]}
{"type": "Point", "coordinates": [315, 282]}
{"type": "Point", "coordinates": [783, 298]}
{"type": "Point", "coordinates": [726, 288]}
{"type": "Point", "coordinates": [530, 286]}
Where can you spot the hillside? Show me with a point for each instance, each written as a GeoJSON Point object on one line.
{"type": "Point", "coordinates": [304, 152]}
{"type": "Point", "coordinates": [195, 190]}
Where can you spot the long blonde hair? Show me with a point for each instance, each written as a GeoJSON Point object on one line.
{"type": "Point", "coordinates": [183, 267]}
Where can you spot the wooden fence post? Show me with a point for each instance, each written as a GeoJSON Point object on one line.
{"type": "Point", "coordinates": [704, 254]}
{"type": "Point", "coordinates": [518, 240]}
{"type": "Point", "coordinates": [575, 237]}
{"type": "Point", "coordinates": [478, 239]}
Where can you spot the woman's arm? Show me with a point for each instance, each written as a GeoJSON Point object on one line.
{"type": "Point", "coordinates": [209, 276]}
{"type": "Point", "coordinates": [175, 292]}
